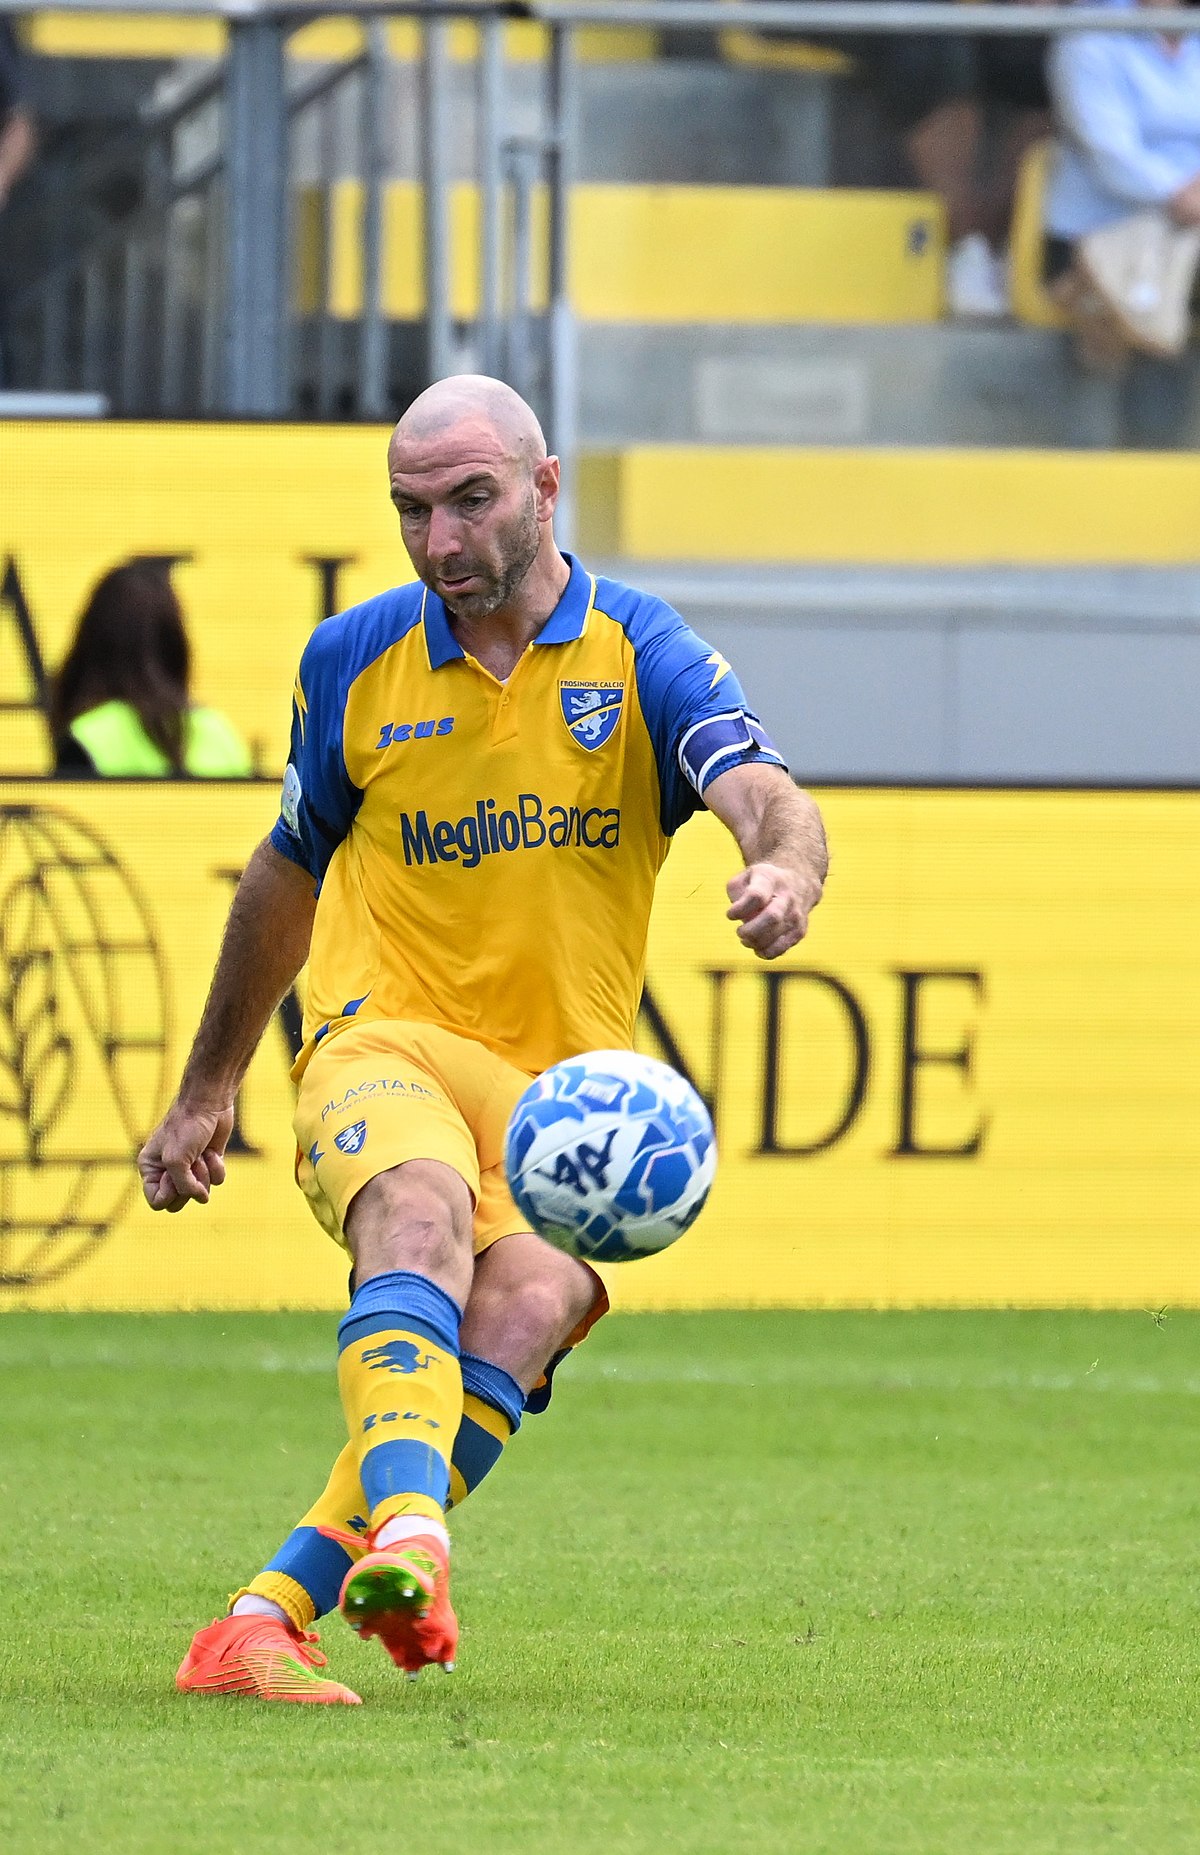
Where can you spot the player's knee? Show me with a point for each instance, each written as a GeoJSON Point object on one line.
{"type": "Point", "coordinates": [526, 1299]}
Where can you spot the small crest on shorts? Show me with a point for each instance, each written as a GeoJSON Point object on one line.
{"type": "Point", "coordinates": [591, 711]}
{"type": "Point", "coordinates": [351, 1139]}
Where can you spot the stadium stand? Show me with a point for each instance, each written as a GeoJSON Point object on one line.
{"type": "Point", "coordinates": [821, 323]}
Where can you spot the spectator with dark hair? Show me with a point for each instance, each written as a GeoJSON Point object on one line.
{"type": "Point", "coordinates": [17, 144]}
{"type": "Point", "coordinates": [120, 705]}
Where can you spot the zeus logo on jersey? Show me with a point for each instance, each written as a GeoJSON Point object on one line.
{"type": "Point", "coordinates": [488, 832]}
{"type": "Point", "coordinates": [395, 733]}
{"type": "Point", "coordinates": [591, 711]}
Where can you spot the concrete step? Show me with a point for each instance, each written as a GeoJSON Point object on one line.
{"type": "Point", "coordinates": [941, 384]}
{"type": "Point", "coordinates": [947, 383]}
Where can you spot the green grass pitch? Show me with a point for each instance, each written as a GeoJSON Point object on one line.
{"type": "Point", "coordinates": [897, 1584]}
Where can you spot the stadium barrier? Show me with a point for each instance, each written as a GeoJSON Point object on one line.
{"type": "Point", "coordinates": [271, 527]}
{"type": "Point", "coordinates": [973, 1085]}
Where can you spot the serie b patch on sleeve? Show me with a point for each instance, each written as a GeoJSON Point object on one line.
{"type": "Point", "coordinates": [289, 799]}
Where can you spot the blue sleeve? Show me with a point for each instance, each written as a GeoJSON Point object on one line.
{"type": "Point", "coordinates": [1096, 102]}
{"type": "Point", "coordinates": [319, 801]}
{"type": "Point", "coordinates": [699, 720]}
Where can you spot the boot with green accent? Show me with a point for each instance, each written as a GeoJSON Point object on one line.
{"type": "Point", "coordinates": [401, 1594]}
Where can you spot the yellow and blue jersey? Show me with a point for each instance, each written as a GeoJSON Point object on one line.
{"type": "Point", "coordinates": [486, 852]}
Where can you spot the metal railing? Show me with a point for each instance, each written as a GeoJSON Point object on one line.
{"type": "Point", "coordinates": [190, 305]}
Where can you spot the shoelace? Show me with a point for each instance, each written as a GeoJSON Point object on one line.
{"type": "Point", "coordinates": [306, 1648]}
{"type": "Point", "coordinates": [353, 1542]}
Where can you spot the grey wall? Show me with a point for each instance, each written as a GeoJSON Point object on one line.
{"type": "Point", "coordinates": [993, 675]}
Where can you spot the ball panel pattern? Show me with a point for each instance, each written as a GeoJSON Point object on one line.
{"type": "Point", "coordinates": [610, 1156]}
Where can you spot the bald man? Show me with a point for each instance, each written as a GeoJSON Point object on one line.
{"type": "Point", "coordinates": [486, 771]}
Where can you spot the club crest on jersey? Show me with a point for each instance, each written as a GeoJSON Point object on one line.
{"type": "Point", "coordinates": [351, 1139]}
{"type": "Point", "coordinates": [591, 711]}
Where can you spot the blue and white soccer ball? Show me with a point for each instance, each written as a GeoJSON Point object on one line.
{"type": "Point", "coordinates": [610, 1155]}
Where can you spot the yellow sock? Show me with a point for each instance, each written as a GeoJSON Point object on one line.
{"type": "Point", "coordinates": [401, 1387]}
{"type": "Point", "coordinates": [306, 1574]}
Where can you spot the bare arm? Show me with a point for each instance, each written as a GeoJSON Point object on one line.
{"type": "Point", "coordinates": [16, 149]}
{"type": "Point", "coordinates": [780, 835]}
{"type": "Point", "coordinates": [264, 946]}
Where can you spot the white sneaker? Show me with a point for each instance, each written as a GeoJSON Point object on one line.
{"type": "Point", "coordinates": [976, 280]}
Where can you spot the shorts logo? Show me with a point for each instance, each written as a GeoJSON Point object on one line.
{"type": "Point", "coordinates": [591, 711]}
{"type": "Point", "coordinates": [351, 1139]}
{"type": "Point", "coordinates": [382, 1085]}
{"type": "Point", "coordinates": [397, 1356]}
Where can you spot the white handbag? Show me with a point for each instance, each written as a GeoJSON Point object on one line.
{"type": "Point", "coordinates": [1143, 269]}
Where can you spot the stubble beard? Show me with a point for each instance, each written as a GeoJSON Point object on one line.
{"type": "Point", "coordinates": [519, 551]}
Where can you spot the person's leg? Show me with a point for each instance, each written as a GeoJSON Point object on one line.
{"type": "Point", "coordinates": [409, 1231]}
{"type": "Point", "coordinates": [528, 1303]}
{"type": "Point", "coordinates": [436, 1079]}
{"type": "Point", "coordinates": [944, 149]}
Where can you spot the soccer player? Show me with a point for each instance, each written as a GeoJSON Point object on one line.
{"type": "Point", "coordinates": [486, 770]}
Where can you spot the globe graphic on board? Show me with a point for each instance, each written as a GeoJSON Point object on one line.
{"type": "Point", "coordinates": [82, 1042]}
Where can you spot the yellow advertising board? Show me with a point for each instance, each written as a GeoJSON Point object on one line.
{"type": "Point", "coordinates": [271, 527]}
{"type": "Point", "coordinates": [268, 529]}
{"type": "Point", "coordinates": [975, 1084]}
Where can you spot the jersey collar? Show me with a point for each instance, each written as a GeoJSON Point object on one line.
{"type": "Point", "coordinates": [567, 621]}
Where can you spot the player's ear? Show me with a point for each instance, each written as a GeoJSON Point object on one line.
{"type": "Point", "coordinates": [545, 487]}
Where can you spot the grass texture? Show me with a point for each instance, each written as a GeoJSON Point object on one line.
{"type": "Point", "coordinates": [892, 1584]}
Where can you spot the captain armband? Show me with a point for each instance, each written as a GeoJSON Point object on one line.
{"type": "Point", "coordinates": [721, 742]}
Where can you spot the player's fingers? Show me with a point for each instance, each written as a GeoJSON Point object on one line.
{"type": "Point", "coordinates": [782, 944]}
{"type": "Point", "coordinates": [768, 919]}
{"type": "Point", "coordinates": [187, 1184]}
{"type": "Point", "coordinates": [753, 898]}
{"type": "Point", "coordinates": [216, 1166]}
{"type": "Point", "coordinates": [779, 921]}
{"type": "Point", "coordinates": [159, 1192]}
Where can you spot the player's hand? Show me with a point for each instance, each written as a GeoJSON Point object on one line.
{"type": "Point", "coordinates": [184, 1157]}
{"type": "Point", "coordinates": [772, 905]}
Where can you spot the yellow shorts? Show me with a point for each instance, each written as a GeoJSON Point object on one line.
{"type": "Point", "coordinates": [382, 1092]}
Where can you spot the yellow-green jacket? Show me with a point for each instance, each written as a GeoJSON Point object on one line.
{"type": "Point", "coordinates": [110, 741]}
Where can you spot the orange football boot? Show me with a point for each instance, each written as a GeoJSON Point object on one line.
{"type": "Point", "coordinates": [262, 1657]}
{"type": "Point", "coordinates": [401, 1594]}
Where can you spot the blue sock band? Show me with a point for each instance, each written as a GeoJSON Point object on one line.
{"type": "Point", "coordinates": [492, 1384]}
{"type": "Point", "coordinates": [317, 1564]}
{"type": "Point", "coordinates": [402, 1299]}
